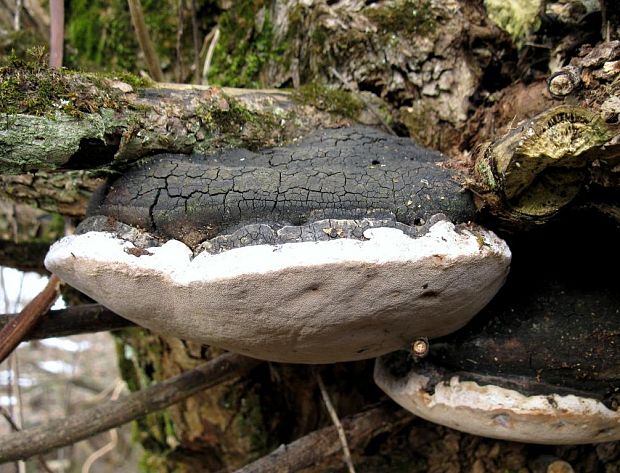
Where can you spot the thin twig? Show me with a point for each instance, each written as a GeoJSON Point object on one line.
{"type": "Point", "coordinates": [179, 40]}
{"type": "Point", "coordinates": [7, 416]}
{"type": "Point", "coordinates": [17, 22]}
{"type": "Point", "coordinates": [205, 44]}
{"type": "Point", "coordinates": [207, 64]}
{"type": "Point", "coordinates": [86, 318]}
{"type": "Point", "coordinates": [57, 32]}
{"type": "Point", "coordinates": [14, 332]}
{"type": "Point", "coordinates": [195, 42]}
{"type": "Point", "coordinates": [334, 416]}
{"type": "Point", "coordinates": [144, 40]}
{"type": "Point", "coordinates": [110, 414]}
{"type": "Point", "coordinates": [111, 445]}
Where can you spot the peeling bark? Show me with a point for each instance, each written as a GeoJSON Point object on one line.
{"type": "Point", "coordinates": [54, 163]}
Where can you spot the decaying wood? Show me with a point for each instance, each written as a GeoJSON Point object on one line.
{"type": "Point", "coordinates": [55, 163]}
{"type": "Point", "coordinates": [74, 320]}
{"type": "Point", "coordinates": [317, 447]}
{"type": "Point", "coordinates": [14, 332]}
{"type": "Point", "coordinates": [417, 55]}
{"type": "Point", "coordinates": [25, 236]}
{"type": "Point", "coordinates": [111, 414]}
{"type": "Point", "coordinates": [543, 145]}
{"type": "Point", "coordinates": [540, 166]}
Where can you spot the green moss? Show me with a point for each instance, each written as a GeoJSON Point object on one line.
{"type": "Point", "coordinates": [125, 360]}
{"type": "Point", "coordinates": [329, 99]}
{"type": "Point", "coordinates": [227, 117]}
{"type": "Point", "coordinates": [56, 227]}
{"type": "Point", "coordinates": [411, 17]}
{"type": "Point", "coordinates": [139, 354]}
{"type": "Point", "coordinates": [248, 421]}
{"type": "Point", "coordinates": [30, 87]}
{"type": "Point", "coordinates": [17, 44]}
{"type": "Point", "coordinates": [245, 46]}
{"type": "Point", "coordinates": [152, 463]}
{"type": "Point", "coordinates": [137, 82]}
{"type": "Point", "coordinates": [100, 36]}
{"type": "Point", "coordinates": [517, 17]}
{"type": "Point", "coordinates": [485, 172]}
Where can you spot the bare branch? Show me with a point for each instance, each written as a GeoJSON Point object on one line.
{"type": "Point", "coordinates": [15, 428]}
{"type": "Point", "coordinates": [110, 414]}
{"type": "Point", "coordinates": [316, 446]}
{"type": "Point", "coordinates": [14, 332]}
{"type": "Point", "coordinates": [57, 32]}
{"type": "Point", "coordinates": [195, 42]}
{"type": "Point", "coordinates": [87, 318]}
{"type": "Point", "coordinates": [144, 39]}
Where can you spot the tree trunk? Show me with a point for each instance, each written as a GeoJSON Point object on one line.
{"type": "Point", "coordinates": [441, 72]}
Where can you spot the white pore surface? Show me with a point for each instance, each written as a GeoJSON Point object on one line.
{"type": "Point", "coordinates": [308, 302]}
{"type": "Point", "coordinates": [493, 411]}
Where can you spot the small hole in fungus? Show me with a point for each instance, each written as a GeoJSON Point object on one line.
{"type": "Point", "coordinates": [417, 221]}
{"type": "Point", "coordinates": [427, 294]}
{"type": "Point", "coordinates": [425, 286]}
{"type": "Point", "coordinates": [375, 162]}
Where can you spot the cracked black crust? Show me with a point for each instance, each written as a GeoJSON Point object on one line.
{"type": "Point", "coordinates": [347, 173]}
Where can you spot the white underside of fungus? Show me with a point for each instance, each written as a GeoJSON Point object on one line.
{"type": "Point", "coordinates": [498, 412]}
{"type": "Point", "coordinates": [306, 302]}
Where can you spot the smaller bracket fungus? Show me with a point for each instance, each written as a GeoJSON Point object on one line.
{"type": "Point", "coordinates": [486, 408]}
{"type": "Point", "coordinates": [329, 250]}
{"type": "Point", "coordinates": [541, 368]}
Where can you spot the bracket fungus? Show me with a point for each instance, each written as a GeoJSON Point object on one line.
{"type": "Point", "coordinates": [490, 409]}
{"type": "Point", "coordinates": [331, 249]}
{"type": "Point", "coordinates": [538, 369]}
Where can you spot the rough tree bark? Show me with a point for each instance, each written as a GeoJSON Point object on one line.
{"type": "Point", "coordinates": [441, 72]}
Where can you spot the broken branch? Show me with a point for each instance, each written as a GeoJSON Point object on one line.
{"type": "Point", "coordinates": [14, 332]}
